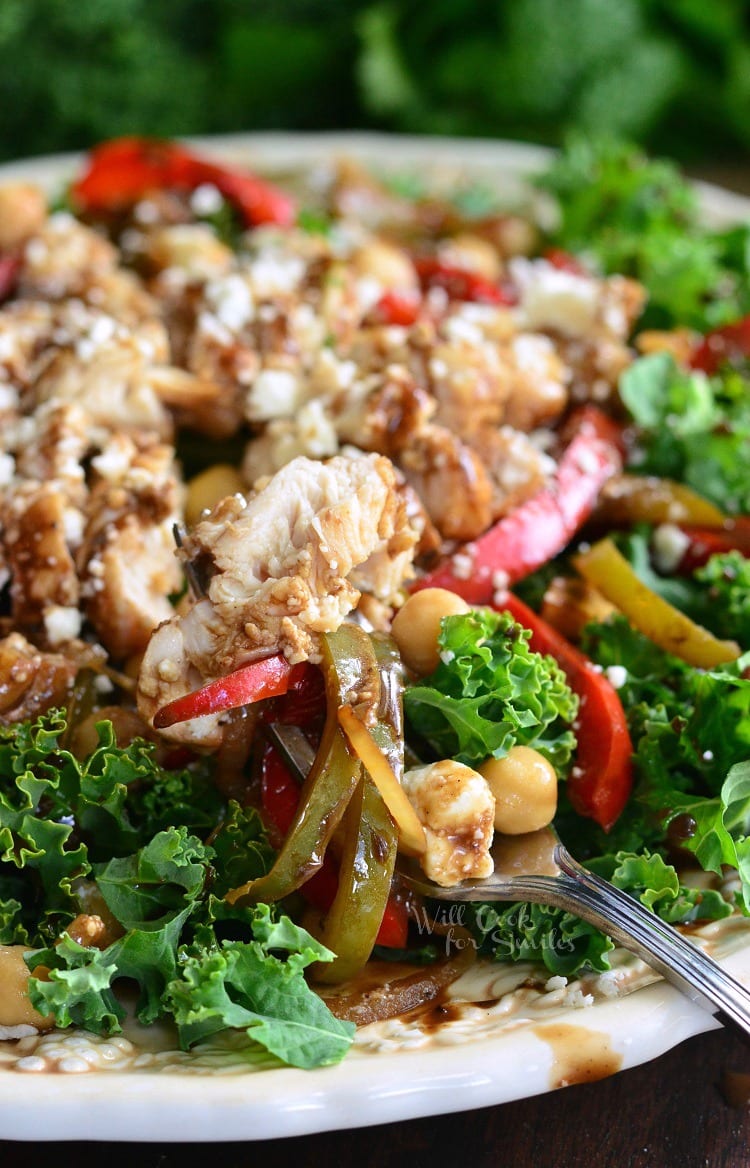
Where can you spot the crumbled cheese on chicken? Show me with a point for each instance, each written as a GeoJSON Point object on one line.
{"type": "Point", "coordinates": [457, 810]}
{"type": "Point", "coordinates": [554, 299]}
{"type": "Point", "coordinates": [231, 301]}
{"type": "Point", "coordinates": [61, 623]}
{"type": "Point", "coordinates": [275, 393]}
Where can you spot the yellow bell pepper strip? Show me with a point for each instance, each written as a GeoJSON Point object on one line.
{"type": "Point", "coordinates": [366, 865]}
{"type": "Point", "coordinates": [542, 526]}
{"type": "Point", "coordinates": [387, 735]}
{"type": "Point", "coordinates": [604, 567]}
{"type": "Point", "coordinates": [628, 499]}
{"type": "Point", "coordinates": [351, 675]}
{"type": "Point", "coordinates": [411, 833]}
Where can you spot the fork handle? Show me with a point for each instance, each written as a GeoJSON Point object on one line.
{"type": "Point", "coordinates": [659, 944]}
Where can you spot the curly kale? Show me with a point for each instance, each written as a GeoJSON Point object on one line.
{"type": "Point", "coordinates": [491, 692]}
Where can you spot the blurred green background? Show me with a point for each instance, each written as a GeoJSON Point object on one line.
{"type": "Point", "coordinates": [673, 74]}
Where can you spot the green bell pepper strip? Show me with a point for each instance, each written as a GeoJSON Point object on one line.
{"type": "Point", "coordinates": [350, 672]}
{"type": "Point", "coordinates": [366, 867]}
{"type": "Point", "coordinates": [389, 731]}
{"type": "Point", "coordinates": [368, 857]}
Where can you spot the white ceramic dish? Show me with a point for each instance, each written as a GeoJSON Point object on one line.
{"type": "Point", "coordinates": [532, 1041]}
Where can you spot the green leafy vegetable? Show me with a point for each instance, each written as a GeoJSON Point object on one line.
{"type": "Point", "coordinates": [691, 428]}
{"type": "Point", "coordinates": [60, 815]}
{"type": "Point", "coordinates": [640, 217]}
{"type": "Point", "coordinates": [691, 732]}
{"type": "Point", "coordinates": [566, 945]}
{"type": "Point", "coordinates": [72, 822]}
{"type": "Point", "coordinates": [77, 986]}
{"type": "Point", "coordinates": [246, 985]}
{"type": "Point", "coordinates": [242, 852]}
{"type": "Point", "coordinates": [717, 830]}
{"type": "Point", "coordinates": [491, 692]}
{"type": "Point", "coordinates": [726, 580]}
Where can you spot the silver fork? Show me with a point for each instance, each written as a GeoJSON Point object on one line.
{"type": "Point", "coordinates": [538, 869]}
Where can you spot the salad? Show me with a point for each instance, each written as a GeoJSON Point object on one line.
{"type": "Point", "coordinates": [456, 500]}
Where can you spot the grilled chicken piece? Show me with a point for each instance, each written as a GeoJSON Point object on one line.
{"type": "Point", "coordinates": [51, 446]}
{"type": "Point", "coordinates": [590, 320]}
{"type": "Point", "coordinates": [470, 385]}
{"type": "Point", "coordinates": [448, 477]}
{"type": "Point", "coordinates": [31, 681]}
{"type": "Point", "coordinates": [43, 574]}
{"type": "Point", "coordinates": [63, 258]}
{"type": "Point", "coordinates": [451, 481]}
{"type": "Point", "coordinates": [539, 382]}
{"type": "Point", "coordinates": [127, 559]}
{"type": "Point", "coordinates": [516, 467]}
{"type": "Point", "coordinates": [112, 382]}
{"type": "Point", "coordinates": [280, 570]}
{"type": "Point", "coordinates": [32, 332]}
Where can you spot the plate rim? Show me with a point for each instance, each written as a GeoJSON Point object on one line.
{"type": "Point", "coordinates": [365, 1089]}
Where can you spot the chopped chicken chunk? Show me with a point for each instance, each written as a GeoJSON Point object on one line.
{"type": "Point", "coordinates": [31, 681]}
{"type": "Point", "coordinates": [42, 569]}
{"type": "Point", "coordinates": [127, 558]}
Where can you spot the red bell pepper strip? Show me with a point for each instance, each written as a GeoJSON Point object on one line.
{"type": "Point", "coordinates": [396, 308]}
{"type": "Point", "coordinates": [394, 928]}
{"type": "Point", "coordinates": [727, 345]}
{"type": "Point", "coordinates": [601, 780]}
{"type": "Point", "coordinates": [711, 541]}
{"type": "Point", "coordinates": [125, 170]}
{"type": "Point", "coordinates": [10, 266]}
{"type": "Point", "coordinates": [280, 798]}
{"type": "Point", "coordinates": [542, 526]}
{"type": "Point", "coordinates": [564, 261]}
{"type": "Point", "coordinates": [461, 283]}
{"type": "Point", "coordinates": [304, 703]}
{"type": "Point", "coordinates": [267, 678]}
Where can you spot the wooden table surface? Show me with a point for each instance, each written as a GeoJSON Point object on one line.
{"type": "Point", "coordinates": [669, 1113]}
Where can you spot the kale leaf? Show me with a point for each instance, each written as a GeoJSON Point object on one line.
{"type": "Point", "coordinates": [258, 986]}
{"type": "Point", "coordinates": [640, 217]}
{"type": "Point", "coordinates": [491, 692]}
{"type": "Point", "coordinates": [566, 945]}
{"type": "Point", "coordinates": [691, 428]}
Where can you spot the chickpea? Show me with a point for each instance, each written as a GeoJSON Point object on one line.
{"type": "Point", "coordinates": [15, 1007]}
{"type": "Point", "coordinates": [524, 784]}
{"type": "Point", "coordinates": [23, 210]}
{"type": "Point", "coordinates": [207, 488]}
{"type": "Point", "coordinates": [416, 626]}
{"type": "Point", "coordinates": [387, 264]}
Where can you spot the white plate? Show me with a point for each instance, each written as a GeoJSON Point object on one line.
{"type": "Point", "coordinates": [527, 1044]}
